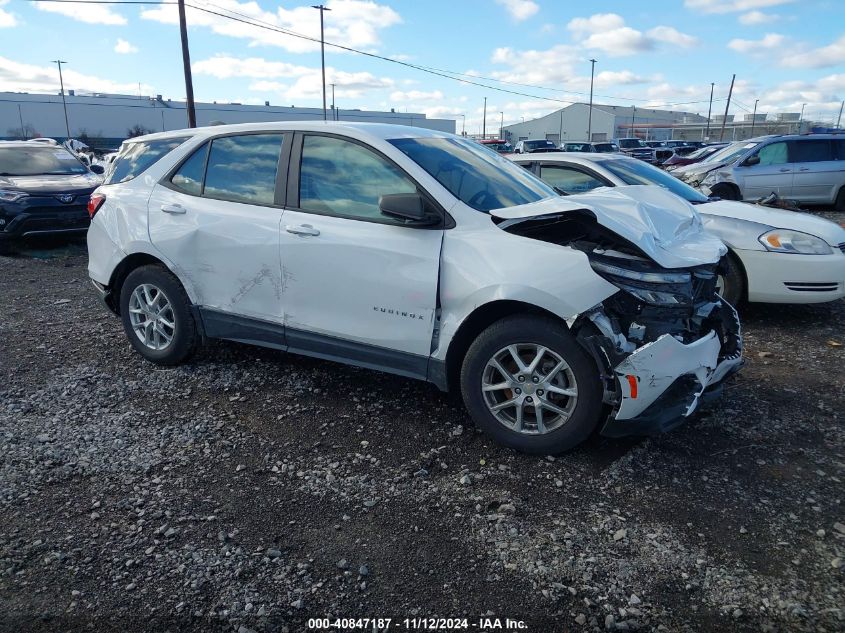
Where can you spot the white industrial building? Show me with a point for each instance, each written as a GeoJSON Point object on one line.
{"type": "Point", "coordinates": [612, 122]}
{"type": "Point", "coordinates": [106, 120]}
{"type": "Point", "coordinates": [608, 122]}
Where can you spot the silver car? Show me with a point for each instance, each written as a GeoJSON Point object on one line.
{"type": "Point", "coordinates": [808, 168]}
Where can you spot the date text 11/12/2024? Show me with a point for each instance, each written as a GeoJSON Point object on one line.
{"type": "Point", "coordinates": [378, 625]}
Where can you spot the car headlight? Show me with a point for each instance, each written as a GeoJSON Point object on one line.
{"type": "Point", "coordinates": [8, 195]}
{"type": "Point", "coordinates": [783, 241]}
{"type": "Point", "coordinates": [652, 287]}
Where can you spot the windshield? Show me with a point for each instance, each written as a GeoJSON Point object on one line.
{"type": "Point", "coordinates": [536, 144]}
{"type": "Point", "coordinates": [577, 147]}
{"type": "Point", "coordinates": [701, 152]}
{"type": "Point", "coordinates": [605, 147]}
{"type": "Point", "coordinates": [636, 172]}
{"type": "Point", "coordinates": [629, 143]}
{"type": "Point", "coordinates": [479, 178]}
{"type": "Point", "coordinates": [730, 153]}
{"type": "Point", "coordinates": [39, 160]}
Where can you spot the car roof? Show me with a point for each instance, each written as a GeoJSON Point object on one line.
{"type": "Point", "coordinates": [571, 157]}
{"type": "Point", "coordinates": [382, 131]}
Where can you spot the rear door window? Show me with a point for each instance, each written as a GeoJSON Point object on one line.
{"type": "Point", "coordinates": [189, 177]}
{"type": "Point", "coordinates": [243, 168]}
{"type": "Point", "coordinates": [811, 151]}
{"type": "Point", "coordinates": [135, 158]}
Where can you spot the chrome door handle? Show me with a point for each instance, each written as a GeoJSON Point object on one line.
{"type": "Point", "coordinates": [785, 169]}
{"type": "Point", "coordinates": [804, 169]}
{"type": "Point", "coordinates": [302, 229]}
{"type": "Point", "coordinates": [173, 209]}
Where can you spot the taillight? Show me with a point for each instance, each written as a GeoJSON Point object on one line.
{"type": "Point", "coordinates": [94, 203]}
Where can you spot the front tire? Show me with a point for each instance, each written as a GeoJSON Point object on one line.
{"type": "Point", "coordinates": [731, 281]}
{"type": "Point", "coordinates": [529, 385]}
{"type": "Point", "coordinates": [725, 192]}
{"type": "Point", "coordinates": [156, 315]}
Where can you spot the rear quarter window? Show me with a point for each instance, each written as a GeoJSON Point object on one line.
{"type": "Point", "coordinates": [135, 158]}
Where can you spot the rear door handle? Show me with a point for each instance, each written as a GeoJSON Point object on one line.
{"type": "Point", "coordinates": [804, 169]}
{"type": "Point", "coordinates": [302, 229]}
{"type": "Point", "coordinates": [173, 209]}
{"type": "Point", "coordinates": [785, 169]}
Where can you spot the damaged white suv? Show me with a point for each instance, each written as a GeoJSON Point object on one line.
{"type": "Point", "coordinates": [423, 254]}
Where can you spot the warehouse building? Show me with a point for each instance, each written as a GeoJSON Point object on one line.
{"type": "Point", "coordinates": [611, 122]}
{"type": "Point", "coordinates": [104, 120]}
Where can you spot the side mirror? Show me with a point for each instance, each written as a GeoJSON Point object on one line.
{"type": "Point", "coordinates": [405, 206]}
{"type": "Point", "coordinates": [98, 169]}
{"type": "Point", "coordinates": [752, 160]}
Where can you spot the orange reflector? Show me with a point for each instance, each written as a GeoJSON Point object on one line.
{"type": "Point", "coordinates": [773, 240]}
{"type": "Point", "coordinates": [632, 383]}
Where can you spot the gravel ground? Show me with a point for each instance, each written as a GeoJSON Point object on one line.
{"type": "Point", "coordinates": [250, 490]}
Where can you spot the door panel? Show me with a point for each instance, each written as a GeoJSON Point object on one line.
{"type": "Point", "coordinates": [227, 251]}
{"type": "Point", "coordinates": [360, 281]}
{"type": "Point", "coordinates": [774, 173]}
{"type": "Point", "coordinates": [817, 175]}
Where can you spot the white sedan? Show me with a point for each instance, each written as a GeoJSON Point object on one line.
{"type": "Point", "coordinates": [775, 256]}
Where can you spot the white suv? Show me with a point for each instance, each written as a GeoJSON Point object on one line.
{"type": "Point", "coordinates": [423, 254]}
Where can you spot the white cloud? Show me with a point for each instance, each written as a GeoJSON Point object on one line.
{"type": "Point", "coordinates": [124, 48]}
{"type": "Point", "coordinates": [731, 6]}
{"type": "Point", "coordinates": [520, 9]}
{"type": "Point", "coordinates": [769, 42]}
{"type": "Point", "coordinates": [353, 23]}
{"type": "Point", "coordinates": [7, 20]}
{"type": "Point", "coordinates": [20, 77]}
{"type": "Point", "coordinates": [225, 67]}
{"type": "Point", "coordinates": [617, 78]}
{"type": "Point", "coordinates": [670, 35]}
{"type": "Point", "coordinates": [416, 95]}
{"type": "Point", "coordinates": [555, 65]}
{"type": "Point", "coordinates": [753, 18]}
{"type": "Point", "coordinates": [607, 32]}
{"type": "Point", "coordinates": [90, 13]}
{"type": "Point", "coordinates": [830, 55]}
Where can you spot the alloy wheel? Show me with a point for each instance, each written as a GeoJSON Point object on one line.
{"type": "Point", "coordinates": [151, 317]}
{"type": "Point", "coordinates": [529, 388]}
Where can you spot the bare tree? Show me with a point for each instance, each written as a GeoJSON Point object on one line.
{"type": "Point", "coordinates": [137, 130]}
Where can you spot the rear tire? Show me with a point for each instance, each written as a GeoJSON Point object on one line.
{"type": "Point", "coordinates": [156, 315]}
{"type": "Point", "coordinates": [839, 205]}
{"type": "Point", "coordinates": [554, 411]}
{"type": "Point", "coordinates": [732, 280]}
{"type": "Point", "coordinates": [725, 192]}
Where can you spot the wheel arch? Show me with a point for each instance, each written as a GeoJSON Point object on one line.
{"type": "Point", "coordinates": [476, 322]}
{"type": "Point", "coordinates": [121, 272]}
{"type": "Point", "coordinates": [740, 265]}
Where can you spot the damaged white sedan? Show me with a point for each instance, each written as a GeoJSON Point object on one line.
{"type": "Point", "coordinates": [422, 254]}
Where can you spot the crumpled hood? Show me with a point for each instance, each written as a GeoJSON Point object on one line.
{"type": "Point", "coordinates": [829, 231]}
{"type": "Point", "coordinates": [665, 227]}
{"type": "Point", "coordinates": [49, 184]}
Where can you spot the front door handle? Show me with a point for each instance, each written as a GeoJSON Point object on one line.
{"type": "Point", "coordinates": [302, 229]}
{"type": "Point", "coordinates": [804, 169]}
{"type": "Point", "coordinates": [785, 169]}
{"type": "Point", "coordinates": [173, 209]}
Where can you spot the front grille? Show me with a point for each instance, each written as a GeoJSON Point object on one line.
{"type": "Point", "coordinates": [803, 286]}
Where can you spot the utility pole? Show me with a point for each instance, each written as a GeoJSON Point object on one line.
{"type": "Point", "coordinates": [186, 64]}
{"type": "Point", "coordinates": [801, 118]}
{"type": "Point", "coordinates": [59, 62]}
{"type": "Point", "coordinates": [839, 118]}
{"type": "Point", "coordinates": [23, 130]}
{"type": "Point", "coordinates": [709, 110]}
{"type": "Point", "coordinates": [502, 126]}
{"type": "Point", "coordinates": [727, 105]}
{"type": "Point", "coordinates": [463, 125]}
{"type": "Point", "coordinates": [754, 117]}
{"type": "Point", "coordinates": [322, 53]}
{"type": "Point", "coordinates": [333, 108]}
{"type": "Point", "coordinates": [590, 111]}
{"type": "Point", "coordinates": [633, 114]}
{"type": "Point", "coordinates": [484, 120]}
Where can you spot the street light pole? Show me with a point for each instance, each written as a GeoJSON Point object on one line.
{"type": "Point", "coordinates": [502, 126]}
{"type": "Point", "coordinates": [333, 108]}
{"type": "Point", "coordinates": [484, 121]}
{"type": "Point", "coordinates": [186, 65]}
{"type": "Point", "coordinates": [59, 62]}
{"type": "Point", "coordinates": [709, 110]}
{"type": "Point", "coordinates": [633, 114]}
{"type": "Point", "coordinates": [590, 113]}
{"type": "Point", "coordinates": [801, 118]}
{"type": "Point", "coordinates": [322, 54]}
{"type": "Point", "coordinates": [463, 125]}
{"type": "Point", "coordinates": [754, 117]}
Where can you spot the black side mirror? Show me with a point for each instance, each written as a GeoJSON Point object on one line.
{"type": "Point", "coordinates": [97, 169]}
{"type": "Point", "coordinates": [405, 206]}
{"type": "Point", "coordinates": [752, 160]}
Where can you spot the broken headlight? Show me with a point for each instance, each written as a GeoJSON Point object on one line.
{"type": "Point", "coordinates": [655, 287]}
